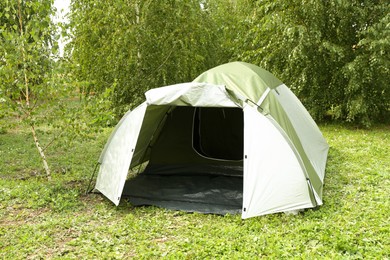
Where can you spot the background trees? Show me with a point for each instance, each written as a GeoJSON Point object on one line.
{"type": "Point", "coordinates": [334, 54]}
{"type": "Point", "coordinates": [131, 46]}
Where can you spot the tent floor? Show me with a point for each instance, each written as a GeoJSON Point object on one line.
{"type": "Point", "coordinates": [215, 194]}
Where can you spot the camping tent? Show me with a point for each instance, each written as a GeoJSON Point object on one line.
{"type": "Point", "coordinates": [236, 139]}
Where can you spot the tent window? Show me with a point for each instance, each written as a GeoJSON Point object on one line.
{"type": "Point", "coordinates": [218, 133]}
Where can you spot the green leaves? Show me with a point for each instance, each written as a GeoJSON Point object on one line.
{"type": "Point", "coordinates": [332, 54]}
{"type": "Point", "coordinates": [132, 46]}
{"type": "Point", "coordinates": [25, 43]}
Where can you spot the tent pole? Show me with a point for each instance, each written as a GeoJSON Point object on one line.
{"type": "Point", "coordinates": [90, 181]}
{"type": "Point", "coordinates": [152, 137]}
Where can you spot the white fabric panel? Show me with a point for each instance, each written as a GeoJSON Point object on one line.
{"type": "Point", "coordinates": [190, 94]}
{"type": "Point", "coordinates": [273, 178]}
{"type": "Point", "coordinates": [313, 142]}
{"type": "Point", "coordinates": [117, 155]}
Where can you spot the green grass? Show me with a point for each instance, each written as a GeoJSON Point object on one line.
{"type": "Point", "coordinates": [55, 219]}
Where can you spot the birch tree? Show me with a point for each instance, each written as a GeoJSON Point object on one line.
{"type": "Point", "coordinates": [26, 47]}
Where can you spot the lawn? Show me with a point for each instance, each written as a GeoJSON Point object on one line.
{"type": "Point", "coordinates": [55, 219]}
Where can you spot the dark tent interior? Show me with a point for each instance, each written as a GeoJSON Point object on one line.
{"type": "Point", "coordinates": [195, 163]}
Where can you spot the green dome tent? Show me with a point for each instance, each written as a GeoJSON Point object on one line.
{"type": "Point", "coordinates": [235, 140]}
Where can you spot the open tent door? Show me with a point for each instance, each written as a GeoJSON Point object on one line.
{"type": "Point", "coordinates": [117, 154]}
{"type": "Point", "coordinates": [195, 162]}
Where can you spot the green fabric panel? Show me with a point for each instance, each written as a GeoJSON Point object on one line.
{"type": "Point", "coordinates": [151, 125]}
{"type": "Point", "coordinates": [246, 79]}
{"type": "Point", "coordinates": [271, 106]}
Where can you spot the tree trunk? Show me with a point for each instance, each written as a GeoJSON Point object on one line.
{"type": "Point", "coordinates": [41, 153]}
{"type": "Point", "coordinates": [137, 23]}
{"type": "Point", "coordinates": [27, 96]}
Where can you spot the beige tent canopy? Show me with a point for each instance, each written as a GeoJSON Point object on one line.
{"type": "Point", "coordinates": [235, 140]}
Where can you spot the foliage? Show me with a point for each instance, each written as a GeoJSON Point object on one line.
{"type": "Point", "coordinates": [231, 21]}
{"type": "Point", "coordinates": [132, 46]}
{"type": "Point", "coordinates": [26, 45]}
{"type": "Point", "coordinates": [368, 74]}
{"type": "Point", "coordinates": [54, 219]}
{"type": "Point", "coordinates": [82, 117]}
{"type": "Point", "coordinates": [332, 53]}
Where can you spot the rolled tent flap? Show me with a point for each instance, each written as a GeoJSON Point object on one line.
{"type": "Point", "coordinates": [274, 180]}
{"type": "Point", "coordinates": [191, 94]}
{"type": "Point", "coordinates": [116, 156]}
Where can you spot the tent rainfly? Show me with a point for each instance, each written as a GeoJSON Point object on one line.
{"type": "Point", "coordinates": [235, 140]}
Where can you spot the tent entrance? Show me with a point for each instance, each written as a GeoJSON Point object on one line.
{"type": "Point", "coordinates": [195, 163]}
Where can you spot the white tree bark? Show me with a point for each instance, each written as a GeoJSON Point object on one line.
{"type": "Point", "coordinates": [27, 108]}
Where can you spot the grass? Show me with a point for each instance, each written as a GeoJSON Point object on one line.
{"type": "Point", "coordinates": [55, 219]}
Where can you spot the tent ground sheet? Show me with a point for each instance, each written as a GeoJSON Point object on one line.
{"type": "Point", "coordinates": [217, 194]}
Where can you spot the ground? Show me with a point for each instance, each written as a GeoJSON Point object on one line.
{"type": "Point", "coordinates": [56, 219]}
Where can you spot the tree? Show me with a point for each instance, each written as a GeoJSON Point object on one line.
{"type": "Point", "coordinates": [332, 53]}
{"type": "Point", "coordinates": [368, 74]}
{"type": "Point", "coordinates": [232, 20]}
{"type": "Point", "coordinates": [26, 46]}
{"type": "Point", "coordinates": [132, 46]}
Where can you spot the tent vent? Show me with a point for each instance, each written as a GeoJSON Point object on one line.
{"type": "Point", "coordinates": [244, 209]}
